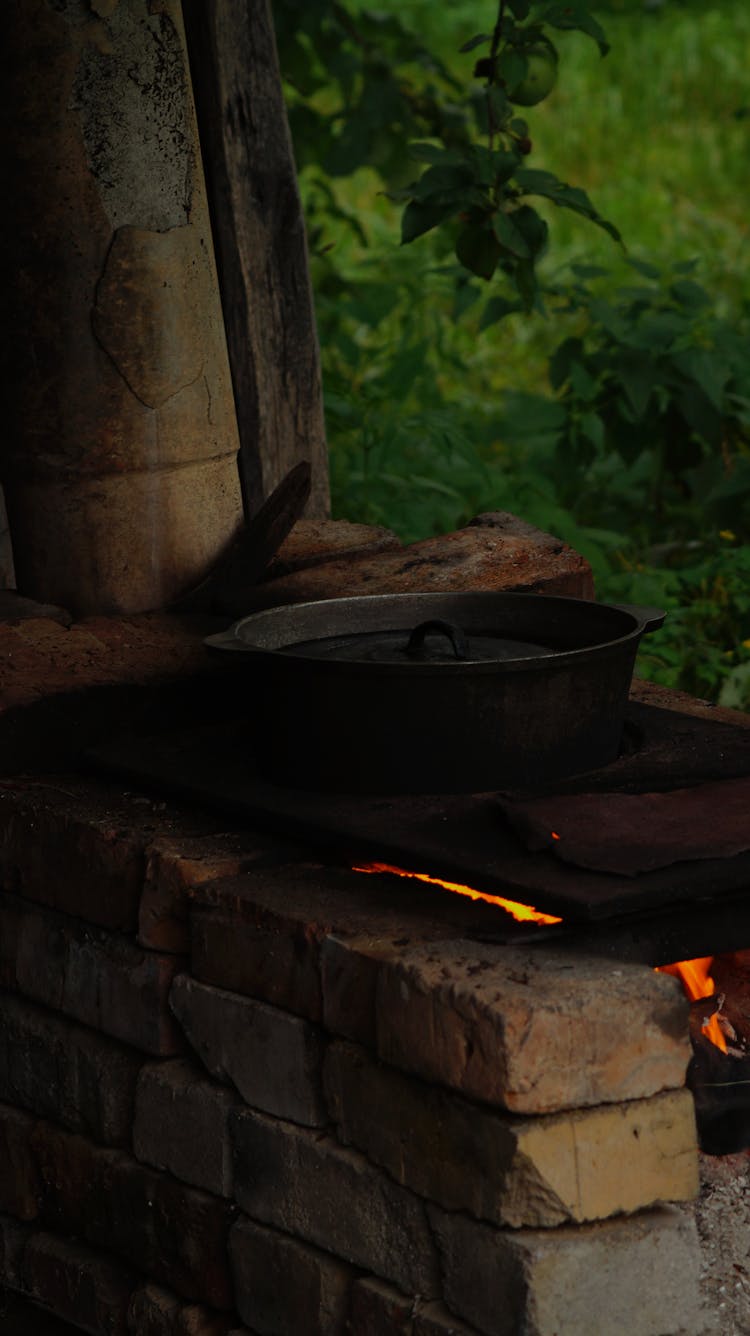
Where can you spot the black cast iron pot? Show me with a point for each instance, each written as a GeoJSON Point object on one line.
{"type": "Point", "coordinates": [428, 693]}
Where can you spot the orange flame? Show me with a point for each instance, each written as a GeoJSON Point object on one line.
{"type": "Point", "coordinates": [697, 983]}
{"type": "Point", "coordinates": [523, 913]}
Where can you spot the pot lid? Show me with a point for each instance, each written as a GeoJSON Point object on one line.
{"type": "Point", "coordinates": [432, 641]}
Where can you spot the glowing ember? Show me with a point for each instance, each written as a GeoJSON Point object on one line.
{"type": "Point", "coordinates": [697, 983]}
{"type": "Point", "coordinates": [523, 913]}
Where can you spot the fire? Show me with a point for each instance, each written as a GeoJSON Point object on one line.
{"type": "Point", "coordinates": [523, 913]}
{"type": "Point", "coordinates": [697, 983]}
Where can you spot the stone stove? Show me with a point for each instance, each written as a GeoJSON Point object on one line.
{"type": "Point", "coordinates": [246, 1089]}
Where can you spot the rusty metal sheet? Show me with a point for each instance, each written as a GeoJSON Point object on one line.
{"type": "Point", "coordinates": [631, 833]}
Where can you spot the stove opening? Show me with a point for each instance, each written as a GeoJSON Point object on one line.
{"type": "Point", "coordinates": [521, 913]}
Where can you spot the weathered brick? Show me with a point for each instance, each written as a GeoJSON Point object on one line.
{"type": "Point", "coordinates": [13, 1239]}
{"type": "Point", "coordinates": [99, 978]}
{"type": "Point", "coordinates": [308, 1185]}
{"type": "Point", "coordinates": [273, 1058]}
{"type": "Point", "coordinates": [65, 1071]}
{"type": "Point", "coordinates": [531, 1031]}
{"type": "Point", "coordinates": [376, 1309]}
{"type": "Point", "coordinates": [174, 1234]}
{"type": "Point", "coordinates": [154, 1311]}
{"type": "Point", "coordinates": [637, 1275]}
{"type": "Point", "coordinates": [20, 1186]}
{"type": "Point", "coordinates": [77, 1284]}
{"type": "Point", "coordinates": [177, 865]}
{"type": "Point", "coordinates": [284, 1287]}
{"type": "Point", "coordinates": [181, 1124]}
{"type": "Point", "coordinates": [74, 846]}
{"type": "Point", "coordinates": [261, 934]}
{"type": "Point", "coordinates": [433, 1319]}
{"type": "Point", "coordinates": [582, 1165]}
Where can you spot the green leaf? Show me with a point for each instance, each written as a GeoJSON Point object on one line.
{"type": "Point", "coordinates": [636, 375]}
{"type": "Point", "coordinates": [532, 227]}
{"type": "Point", "coordinates": [478, 250]}
{"type": "Point", "coordinates": [643, 267]}
{"type": "Point", "coordinates": [578, 17]}
{"type": "Point", "coordinates": [433, 153]}
{"type": "Point", "coordinates": [419, 218]}
{"type": "Point", "coordinates": [509, 236]}
{"type": "Point", "coordinates": [700, 365]}
{"type": "Point", "coordinates": [583, 383]}
{"type": "Point", "coordinates": [478, 40]}
{"type": "Point", "coordinates": [443, 179]}
{"type": "Point", "coordinates": [535, 182]}
{"type": "Point", "coordinates": [496, 309]}
{"type": "Point", "coordinates": [511, 68]}
{"type": "Point", "coordinates": [588, 271]}
{"type": "Point", "coordinates": [569, 351]}
{"type": "Point", "coordinates": [592, 427]}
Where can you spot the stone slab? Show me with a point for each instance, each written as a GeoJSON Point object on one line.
{"type": "Point", "coordinates": [271, 1057]}
{"type": "Point", "coordinates": [99, 978]}
{"type": "Point", "coordinates": [305, 1183]}
{"type": "Point", "coordinates": [637, 1275]}
{"type": "Point", "coordinates": [181, 1125]}
{"type": "Point", "coordinates": [314, 541]}
{"type": "Point", "coordinates": [497, 551]}
{"type": "Point", "coordinates": [284, 1287]}
{"type": "Point", "coordinates": [531, 1031]}
{"type": "Point", "coordinates": [67, 1072]}
{"type": "Point", "coordinates": [584, 1165]}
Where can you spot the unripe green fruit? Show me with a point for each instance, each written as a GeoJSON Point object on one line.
{"type": "Point", "coordinates": [540, 79]}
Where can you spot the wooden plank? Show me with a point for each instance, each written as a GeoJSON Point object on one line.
{"type": "Point", "coordinates": [261, 248]}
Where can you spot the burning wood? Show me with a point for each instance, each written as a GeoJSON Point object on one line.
{"type": "Point", "coordinates": [719, 1073]}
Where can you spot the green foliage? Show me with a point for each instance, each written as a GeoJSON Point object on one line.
{"type": "Point", "coordinates": [657, 372]}
{"type": "Point", "coordinates": [438, 405]}
{"type": "Point", "coordinates": [487, 189]}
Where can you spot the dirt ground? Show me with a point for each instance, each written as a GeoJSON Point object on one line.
{"type": "Point", "coordinates": [722, 1214]}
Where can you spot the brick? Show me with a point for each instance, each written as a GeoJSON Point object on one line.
{"type": "Point", "coordinates": [582, 1165]}
{"type": "Point", "coordinates": [176, 866]}
{"type": "Point", "coordinates": [181, 1124]}
{"type": "Point", "coordinates": [175, 1234]}
{"type": "Point", "coordinates": [376, 1309]}
{"type": "Point", "coordinates": [65, 1071]}
{"type": "Point", "coordinates": [637, 1275]}
{"type": "Point", "coordinates": [308, 1185]}
{"type": "Point", "coordinates": [272, 1058]}
{"type": "Point", "coordinates": [532, 1031]}
{"type": "Point", "coordinates": [262, 934]}
{"type": "Point", "coordinates": [77, 1284]}
{"type": "Point", "coordinates": [99, 978]}
{"type": "Point", "coordinates": [62, 842]}
{"type": "Point", "coordinates": [13, 1240]}
{"type": "Point", "coordinates": [154, 1311]}
{"type": "Point", "coordinates": [284, 1287]}
{"type": "Point", "coordinates": [20, 1187]}
{"type": "Point", "coordinates": [433, 1319]}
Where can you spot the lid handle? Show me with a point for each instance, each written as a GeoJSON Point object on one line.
{"type": "Point", "coordinates": [417, 648]}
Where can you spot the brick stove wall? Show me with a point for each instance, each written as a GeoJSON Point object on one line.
{"type": "Point", "coordinates": [244, 1093]}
